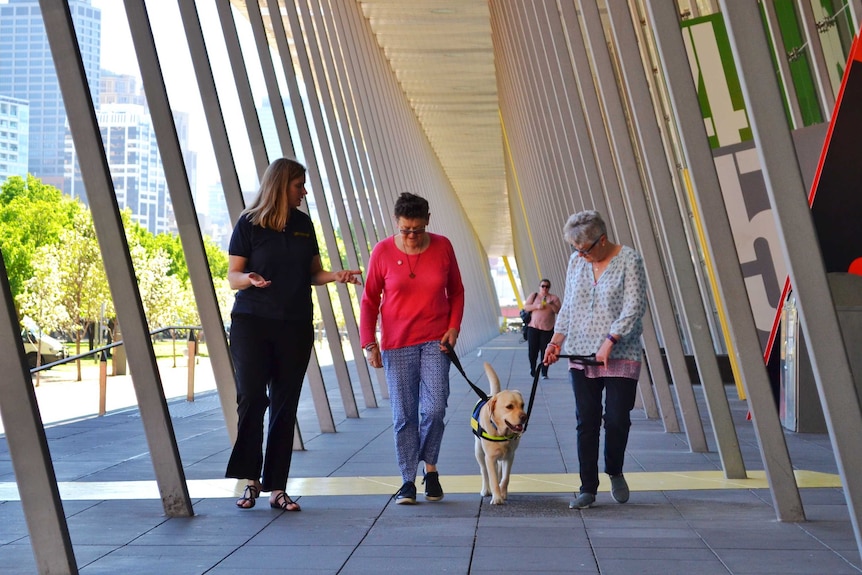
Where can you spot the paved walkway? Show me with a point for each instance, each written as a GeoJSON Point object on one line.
{"type": "Point", "coordinates": [683, 516]}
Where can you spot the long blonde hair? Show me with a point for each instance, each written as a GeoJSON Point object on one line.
{"type": "Point", "coordinates": [270, 208]}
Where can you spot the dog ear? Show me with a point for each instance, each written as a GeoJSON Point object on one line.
{"type": "Point", "coordinates": [492, 404]}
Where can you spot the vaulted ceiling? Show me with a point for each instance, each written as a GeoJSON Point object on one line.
{"type": "Point", "coordinates": [442, 54]}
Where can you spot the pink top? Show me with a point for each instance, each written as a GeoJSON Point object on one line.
{"type": "Point", "coordinates": [543, 317]}
{"type": "Point", "coordinates": [411, 310]}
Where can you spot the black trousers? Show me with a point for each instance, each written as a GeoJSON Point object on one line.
{"type": "Point", "coordinates": [537, 341]}
{"type": "Point", "coordinates": [620, 393]}
{"type": "Point", "coordinates": [270, 358]}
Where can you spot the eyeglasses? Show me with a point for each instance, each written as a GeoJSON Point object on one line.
{"type": "Point", "coordinates": [587, 251]}
{"type": "Point", "coordinates": [546, 286]}
{"type": "Point", "coordinates": [415, 231]}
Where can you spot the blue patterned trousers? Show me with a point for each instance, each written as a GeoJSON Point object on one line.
{"type": "Point", "coordinates": [418, 380]}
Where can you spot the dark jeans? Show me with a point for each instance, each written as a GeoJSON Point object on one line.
{"type": "Point", "coordinates": [268, 355]}
{"type": "Point", "coordinates": [619, 401]}
{"type": "Point", "coordinates": [537, 341]}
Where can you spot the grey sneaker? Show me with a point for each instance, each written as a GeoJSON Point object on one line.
{"type": "Point", "coordinates": [433, 489]}
{"type": "Point", "coordinates": [407, 494]}
{"type": "Point", "coordinates": [619, 488]}
{"type": "Point", "coordinates": [582, 501]}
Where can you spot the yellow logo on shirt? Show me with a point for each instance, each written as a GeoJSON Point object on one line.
{"type": "Point", "coordinates": [302, 234]}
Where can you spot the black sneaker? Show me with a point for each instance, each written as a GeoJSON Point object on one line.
{"type": "Point", "coordinates": [407, 494]}
{"type": "Point", "coordinates": [433, 490]}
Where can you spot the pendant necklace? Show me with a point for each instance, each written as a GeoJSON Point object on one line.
{"type": "Point", "coordinates": [410, 264]}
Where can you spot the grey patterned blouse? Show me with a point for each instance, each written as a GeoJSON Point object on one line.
{"type": "Point", "coordinates": [615, 304]}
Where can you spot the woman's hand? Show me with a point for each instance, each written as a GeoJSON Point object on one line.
{"type": "Point", "coordinates": [372, 354]}
{"type": "Point", "coordinates": [552, 354]}
{"type": "Point", "coordinates": [348, 277]}
{"type": "Point", "coordinates": [604, 352]}
{"type": "Point", "coordinates": [257, 280]}
{"type": "Point", "coordinates": [450, 337]}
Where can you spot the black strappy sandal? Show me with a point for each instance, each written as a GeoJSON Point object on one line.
{"type": "Point", "coordinates": [251, 493]}
{"type": "Point", "coordinates": [284, 502]}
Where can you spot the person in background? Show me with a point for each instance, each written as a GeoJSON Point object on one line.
{"type": "Point", "coordinates": [273, 262]}
{"type": "Point", "coordinates": [413, 286]}
{"type": "Point", "coordinates": [543, 307]}
{"type": "Point", "coordinates": [603, 306]}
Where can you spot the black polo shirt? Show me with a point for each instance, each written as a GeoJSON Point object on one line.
{"type": "Point", "coordinates": [284, 258]}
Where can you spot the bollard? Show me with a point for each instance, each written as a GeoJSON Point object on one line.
{"type": "Point", "coordinates": [103, 383]}
{"type": "Point", "coordinates": [190, 393]}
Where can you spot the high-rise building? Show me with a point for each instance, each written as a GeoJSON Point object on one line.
{"type": "Point", "coordinates": [120, 89]}
{"type": "Point", "coordinates": [135, 164]}
{"type": "Point", "coordinates": [14, 137]}
{"type": "Point", "coordinates": [27, 73]}
{"type": "Point", "coordinates": [133, 155]}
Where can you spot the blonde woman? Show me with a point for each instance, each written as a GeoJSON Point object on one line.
{"type": "Point", "coordinates": [274, 261]}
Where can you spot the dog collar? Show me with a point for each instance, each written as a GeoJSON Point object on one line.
{"type": "Point", "coordinates": [477, 429]}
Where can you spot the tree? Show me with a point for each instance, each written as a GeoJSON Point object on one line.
{"type": "Point", "coordinates": [32, 214]}
{"type": "Point", "coordinates": [41, 295]}
{"type": "Point", "coordinates": [159, 291]}
{"type": "Point", "coordinates": [84, 284]}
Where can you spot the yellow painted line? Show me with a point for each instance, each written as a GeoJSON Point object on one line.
{"type": "Point", "coordinates": [387, 485]}
{"type": "Point", "coordinates": [713, 283]}
{"type": "Point", "coordinates": [511, 163]}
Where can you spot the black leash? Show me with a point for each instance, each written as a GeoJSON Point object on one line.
{"type": "Point", "coordinates": [454, 359]}
{"type": "Point", "coordinates": [582, 359]}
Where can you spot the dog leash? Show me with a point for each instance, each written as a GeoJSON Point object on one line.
{"type": "Point", "coordinates": [582, 359]}
{"type": "Point", "coordinates": [453, 357]}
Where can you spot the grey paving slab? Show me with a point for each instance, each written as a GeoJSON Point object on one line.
{"type": "Point", "coordinates": [646, 566]}
{"type": "Point", "coordinates": [521, 560]}
{"type": "Point", "coordinates": [134, 559]}
{"type": "Point", "coordinates": [329, 558]}
{"type": "Point", "coordinates": [667, 532]}
{"type": "Point", "coordinates": [767, 561]}
{"type": "Point", "coordinates": [399, 559]}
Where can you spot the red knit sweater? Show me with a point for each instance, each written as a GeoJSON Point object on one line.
{"type": "Point", "coordinates": [411, 310]}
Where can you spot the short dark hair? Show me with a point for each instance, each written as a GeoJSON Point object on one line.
{"type": "Point", "coordinates": [411, 206]}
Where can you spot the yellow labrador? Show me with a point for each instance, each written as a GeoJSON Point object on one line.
{"type": "Point", "coordinates": [497, 424]}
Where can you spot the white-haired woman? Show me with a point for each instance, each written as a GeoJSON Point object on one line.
{"type": "Point", "coordinates": [604, 301]}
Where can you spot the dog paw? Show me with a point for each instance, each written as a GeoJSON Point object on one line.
{"type": "Point", "coordinates": [498, 501]}
{"type": "Point", "coordinates": [485, 492]}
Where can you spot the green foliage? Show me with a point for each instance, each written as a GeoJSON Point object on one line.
{"type": "Point", "coordinates": [218, 259]}
{"type": "Point", "coordinates": [32, 214]}
{"type": "Point", "coordinates": [56, 271]}
{"type": "Point", "coordinates": [83, 281]}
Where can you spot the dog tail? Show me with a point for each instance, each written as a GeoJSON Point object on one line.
{"type": "Point", "coordinates": [492, 378]}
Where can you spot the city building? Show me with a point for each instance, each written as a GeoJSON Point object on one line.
{"type": "Point", "coordinates": [133, 156]}
{"type": "Point", "coordinates": [136, 169]}
{"type": "Point", "coordinates": [14, 137]}
{"type": "Point", "coordinates": [27, 73]}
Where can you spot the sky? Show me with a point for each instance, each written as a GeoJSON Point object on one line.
{"type": "Point", "coordinates": [118, 56]}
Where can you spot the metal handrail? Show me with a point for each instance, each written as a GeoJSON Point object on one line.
{"type": "Point", "coordinates": [111, 345]}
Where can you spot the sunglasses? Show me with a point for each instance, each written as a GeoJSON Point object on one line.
{"type": "Point", "coordinates": [415, 231]}
{"type": "Point", "coordinates": [544, 286]}
{"type": "Point", "coordinates": [585, 252]}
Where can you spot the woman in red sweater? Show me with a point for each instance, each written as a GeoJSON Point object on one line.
{"type": "Point", "coordinates": [413, 285]}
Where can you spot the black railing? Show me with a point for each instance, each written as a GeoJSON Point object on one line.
{"type": "Point", "coordinates": [103, 362]}
{"type": "Point", "coordinates": [98, 350]}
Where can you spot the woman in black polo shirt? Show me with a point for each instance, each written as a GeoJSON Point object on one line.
{"type": "Point", "coordinates": [274, 261]}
